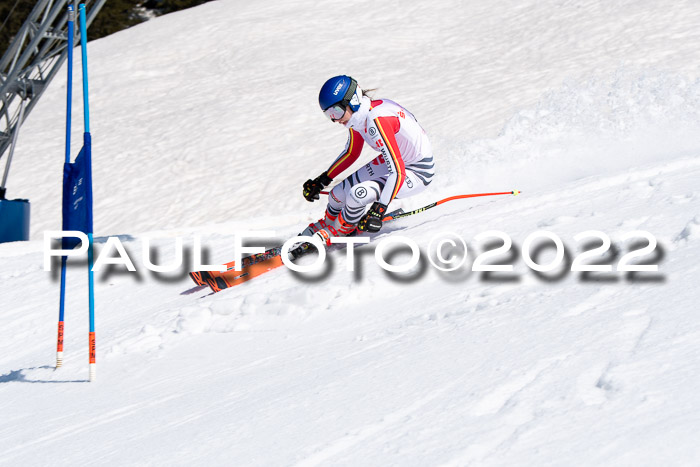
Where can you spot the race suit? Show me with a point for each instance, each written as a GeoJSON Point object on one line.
{"type": "Point", "coordinates": [403, 168]}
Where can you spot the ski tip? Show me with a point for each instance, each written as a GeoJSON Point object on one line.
{"type": "Point", "coordinates": [516, 192]}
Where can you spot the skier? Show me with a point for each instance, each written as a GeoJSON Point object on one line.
{"type": "Point", "coordinates": [404, 167]}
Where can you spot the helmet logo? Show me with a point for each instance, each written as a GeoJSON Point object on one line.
{"type": "Point", "coordinates": [337, 88]}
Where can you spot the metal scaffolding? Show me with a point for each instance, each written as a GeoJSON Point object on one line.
{"type": "Point", "coordinates": [28, 66]}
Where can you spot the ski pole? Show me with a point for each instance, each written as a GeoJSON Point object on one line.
{"type": "Point", "coordinates": [437, 203]}
{"type": "Point", "coordinates": [451, 198]}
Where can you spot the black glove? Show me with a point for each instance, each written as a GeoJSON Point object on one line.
{"type": "Point", "coordinates": [312, 188]}
{"type": "Point", "coordinates": [372, 221]}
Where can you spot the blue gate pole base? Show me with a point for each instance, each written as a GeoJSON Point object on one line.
{"type": "Point", "coordinates": [14, 220]}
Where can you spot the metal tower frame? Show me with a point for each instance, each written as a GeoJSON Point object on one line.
{"type": "Point", "coordinates": [28, 66]}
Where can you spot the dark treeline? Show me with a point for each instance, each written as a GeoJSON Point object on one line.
{"type": "Point", "coordinates": [114, 16]}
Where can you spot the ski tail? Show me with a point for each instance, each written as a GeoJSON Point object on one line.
{"type": "Point", "coordinates": [197, 277]}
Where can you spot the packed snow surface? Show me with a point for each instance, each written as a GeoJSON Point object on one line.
{"type": "Point", "coordinates": [205, 124]}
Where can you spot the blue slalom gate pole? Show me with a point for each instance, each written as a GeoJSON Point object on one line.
{"type": "Point", "coordinates": [62, 305]}
{"type": "Point", "coordinates": [87, 148]}
{"type": "Point", "coordinates": [83, 49]}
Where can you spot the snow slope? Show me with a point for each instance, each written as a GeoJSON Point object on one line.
{"type": "Point", "coordinates": [591, 108]}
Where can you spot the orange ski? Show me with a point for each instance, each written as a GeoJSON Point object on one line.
{"type": "Point", "coordinates": [200, 277]}
{"type": "Point", "coordinates": [219, 281]}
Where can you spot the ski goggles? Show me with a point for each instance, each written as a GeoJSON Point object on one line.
{"type": "Point", "coordinates": [335, 112]}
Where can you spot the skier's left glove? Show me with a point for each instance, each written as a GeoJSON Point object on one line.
{"type": "Point", "coordinates": [312, 188]}
{"type": "Point", "coordinates": [372, 221]}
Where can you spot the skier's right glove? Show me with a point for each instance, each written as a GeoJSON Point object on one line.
{"type": "Point", "coordinates": [312, 188]}
{"type": "Point", "coordinates": [372, 221]}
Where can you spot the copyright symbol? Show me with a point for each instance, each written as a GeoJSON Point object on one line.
{"type": "Point", "coordinates": [438, 242]}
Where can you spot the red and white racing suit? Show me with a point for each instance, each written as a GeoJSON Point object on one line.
{"type": "Point", "coordinates": [403, 168]}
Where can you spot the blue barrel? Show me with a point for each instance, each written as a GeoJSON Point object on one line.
{"type": "Point", "coordinates": [14, 220]}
